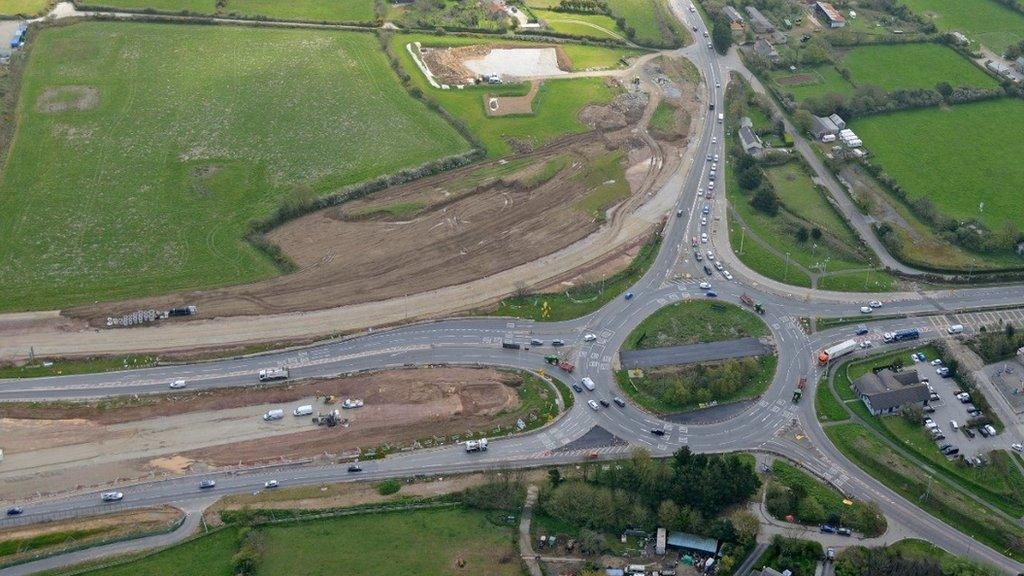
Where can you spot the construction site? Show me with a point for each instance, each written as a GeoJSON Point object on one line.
{"type": "Point", "coordinates": [61, 447]}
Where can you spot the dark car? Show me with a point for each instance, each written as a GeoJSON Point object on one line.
{"type": "Point", "coordinates": [577, 388]}
{"type": "Point", "coordinates": [15, 510]}
{"type": "Point", "coordinates": [939, 437]}
{"type": "Point", "coordinates": [604, 403]}
{"type": "Point", "coordinates": [707, 270]}
{"type": "Point", "coordinates": [629, 295]}
{"type": "Point", "coordinates": [207, 484]}
{"type": "Point", "coordinates": [558, 342]}
{"type": "Point", "coordinates": [969, 433]}
{"type": "Point", "coordinates": [984, 433]}
{"type": "Point", "coordinates": [952, 451]}
{"type": "Point", "coordinates": [697, 256]}
{"type": "Point", "coordinates": [355, 468]}
{"type": "Point", "coordinates": [844, 531]}
{"type": "Point", "coordinates": [658, 432]}
{"type": "Point", "coordinates": [619, 401]}
{"type": "Point", "coordinates": [861, 330]}
{"type": "Point", "coordinates": [536, 342]}
{"type": "Point", "coordinates": [929, 409]}
{"type": "Point", "coordinates": [711, 294]}
{"type": "Point", "coordinates": [828, 529]}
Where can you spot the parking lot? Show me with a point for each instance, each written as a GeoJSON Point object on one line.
{"type": "Point", "coordinates": [948, 409]}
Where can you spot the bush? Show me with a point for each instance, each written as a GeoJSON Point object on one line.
{"type": "Point", "coordinates": [389, 487]}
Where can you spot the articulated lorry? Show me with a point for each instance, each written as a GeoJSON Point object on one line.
{"type": "Point", "coordinates": [837, 350]}
{"type": "Point", "coordinates": [268, 374]}
{"type": "Point", "coordinates": [554, 360]}
{"type": "Point", "coordinates": [902, 335]}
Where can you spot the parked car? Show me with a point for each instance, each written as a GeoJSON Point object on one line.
{"type": "Point", "coordinates": [593, 405]}
{"type": "Point", "coordinates": [711, 294]}
{"type": "Point", "coordinates": [1017, 447]}
{"type": "Point", "coordinates": [15, 510]}
{"type": "Point", "coordinates": [704, 286]}
{"type": "Point", "coordinates": [875, 304]}
{"type": "Point", "coordinates": [844, 531]}
{"type": "Point", "coordinates": [604, 403]}
{"type": "Point", "coordinates": [629, 295]}
{"type": "Point", "coordinates": [619, 401]}
{"type": "Point", "coordinates": [707, 270]}
{"type": "Point", "coordinates": [968, 432]}
{"type": "Point", "coordinates": [657, 432]}
{"type": "Point", "coordinates": [698, 256]}
{"type": "Point", "coordinates": [865, 310]}
{"type": "Point", "coordinates": [937, 362]}
{"type": "Point", "coordinates": [577, 388]}
{"type": "Point", "coordinates": [711, 255]}
{"type": "Point", "coordinates": [861, 330]}
{"type": "Point", "coordinates": [207, 484]}
{"type": "Point", "coordinates": [827, 529]}
{"type": "Point", "coordinates": [984, 432]}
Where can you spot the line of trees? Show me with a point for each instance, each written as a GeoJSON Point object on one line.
{"type": "Point", "coordinates": [696, 383]}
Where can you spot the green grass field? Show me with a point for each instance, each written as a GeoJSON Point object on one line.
{"type": "Point", "coordinates": [605, 178]}
{"type": "Point", "coordinates": [694, 321]}
{"type": "Point", "coordinates": [403, 538]}
{"type": "Point", "coordinates": [831, 500]}
{"type": "Point", "coordinates": [676, 389]}
{"type": "Point", "coordinates": [148, 184]}
{"type": "Point", "coordinates": [801, 197]}
{"type": "Point", "coordinates": [206, 556]}
{"type": "Point", "coordinates": [958, 157]}
{"type": "Point", "coordinates": [905, 66]}
{"type": "Point", "coordinates": [311, 10]}
{"type": "Point", "coordinates": [811, 81]}
{"type": "Point", "coordinates": [22, 7]}
{"type": "Point", "coordinates": [985, 21]}
{"type": "Point", "coordinates": [827, 407]}
{"type": "Point", "coordinates": [581, 25]}
{"type": "Point", "coordinates": [196, 6]}
{"type": "Point", "coordinates": [555, 107]}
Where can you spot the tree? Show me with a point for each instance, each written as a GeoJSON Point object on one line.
{"type": "Point", "coordinates": [590, 542]}
{"type": "Point", "coordinates": [802, 234]}
{"type": "Point", "coordinates": [809, 510]}
{"type": "Point", "coordinates": [944, 89]}
{"type": "Point", "coordinates": [749, 179]}
{"type": "Point", "coordinates": [803, 120]}
{"type": "Point", "coordinates": [668, 515]}
{"type": "Point", "coordinates": [765, 201]}
{"type": "Point", "coordinates": [747, 526]}
{"type": "Point", "coordinates": [816, 233]}
{"type": "Point", "coordinates": [721, 34]}
{"type": "Point", "coordinates": [555, 477]}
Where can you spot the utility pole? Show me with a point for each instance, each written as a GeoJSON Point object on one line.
{"type": "Point", "coordinates": [786, 276]}
{"type": "Point", "coordinates": [743, 237]}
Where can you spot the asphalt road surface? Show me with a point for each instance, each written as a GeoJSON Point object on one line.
{"type": "Point", "coordinates": [764, 425]}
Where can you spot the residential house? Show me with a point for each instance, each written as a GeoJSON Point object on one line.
{"type": "Point", "coordinates": [733, 15]}
{"type": "Point", "coordinates": [832, 16]}
{"type": "Point", "coordinates": [766, 50]}
{"type": "Point", "coordinates": [761, 24]}
{"type": "Point", "coordinates": [820, 127]}
{"type": "Point", "coordinates": [998, 68]}
{"type": "Point", "coordinates": [750, 141]}
{"type": "Point", "coordinates": [887, 391]}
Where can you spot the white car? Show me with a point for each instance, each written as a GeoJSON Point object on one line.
{"type": "Point", "coordinates": [714, 165]}
{"type": "Point", "coordinates": [177, 384]}
{"type": "Point", "coordinates": [703, 221]}
{"type": "Point", "coordinates": [716, 157]}
{"type": "Point", "coordinates": [593, 405]}
{"type": "Point", "coordinates": [271, 484]}
{"type": "Point", "coordinates": [717, 85]}
{"type": "Point", "coordinates": [719, 267]}
{"type": "Point", "coordinates": [875, 304]}
{"type": "Point", "coordinates": [589, 337]}
{"type": "Point", "coordinates": [704, 237]}
{"type": "Point", "coordinates": [937, 362]}
{"type": "Point", "coordinates": [711, 255]}
{"type": "Point", "coordinates": [111, 496]}
{"type": "Point", "coordinates": [714, 139]}
{"type": "Point", "coordinates": [704, 286]}
{"type": "Point", "coordinates": [1017, 447]}
{"type": "Point", "coordinates": [710, 47]}
{"type": "Point", "coordinates": [865, 310]}
{"type": "Point", "coordinates": [727, 275]}
{"type": "Point", "coordinates": [866, 344]}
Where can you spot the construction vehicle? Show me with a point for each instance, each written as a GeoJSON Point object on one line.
{"type": "Point", "coordinates": [837, 350]}
{"type": "Point", "coordinates": [566, 366]}
{"type": "Point", "coordinates": [802, 383]}
{"type": "Point", "coordinates": [552, 359]}
{"type": "Point", "coordinates": [329, 419]}
{"type": "Point", "coordinates": [330, 399]}
{"type": "Point", "coordinates": [268, 374]}
{"type": "Point", "coordinates": [350, 403]}
{"type": "Point", "coordinates": [797, 395]}
{"type": "Point", "coordinates": [476, 445]}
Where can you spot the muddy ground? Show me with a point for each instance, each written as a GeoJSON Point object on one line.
{"type": "Point", "coordinates": [62, 448]}
{"type": "Point", "coordinates": [435, 232]}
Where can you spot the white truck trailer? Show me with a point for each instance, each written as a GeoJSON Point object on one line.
{"type": "Point", "coordinates": [836, 351]}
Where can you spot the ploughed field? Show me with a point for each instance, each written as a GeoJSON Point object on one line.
{"type": "Point", "coordinates": [142, 151]}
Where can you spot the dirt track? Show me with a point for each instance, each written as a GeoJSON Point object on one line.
{"type": "Point", "coordinates": [64, 448]}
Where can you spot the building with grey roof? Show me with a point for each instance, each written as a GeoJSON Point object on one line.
{"type": "Point", "coordinates": [733, 14]}
{"type": "Point", "coordinates": [887, 391]}
{"type": "Point", "coordinates": [766, 50]}
{"type": "Point", "coordinates": [823, 126]}
{"type": "Point", "coordinates": [750, 141]}
{"type": "Point", "coordinates": [759, 21]}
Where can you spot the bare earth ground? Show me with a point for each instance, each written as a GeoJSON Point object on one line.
{"type": "Point", "coordinates": [509, 105]}
{"type": "Point", "coordinates": [461, 234]}
{"type": "Point", "coordinates": [98, 529]}
{"type": "Point", "coordinates": [66, 448]}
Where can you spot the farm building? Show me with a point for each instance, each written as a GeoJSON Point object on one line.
{"type": "Point", "coordinates": [838, 121]}
{"type": "Point", "coordinates": [766, 50]}
{"type": "Point", "coordinates": [999, 68]}
{"type": "Point", "coordinates": [887, 391]}
{"type": "Point", "coordinates": [822, 126]}
{"type": "Point", "coordinates": [830, 14]}
{"type": "Point", "coordinates": [733, 15]}
{"type": "Point", "coordinates": [691, 543]}
{"type": "Point", "coordinates": [759, 21]}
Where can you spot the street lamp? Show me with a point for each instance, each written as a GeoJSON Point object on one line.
{"type": "Point", "coordinates": [785, 278]}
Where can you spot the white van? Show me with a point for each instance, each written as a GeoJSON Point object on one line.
{"type": "Point", "coordinates": [955, 329]}
{"type": "Point", "coordinates": [588, 384]}
{"type": "Point", "coordinates": [304, 410]}
{"type": "Point", "coordinates": [721, 117]}
{"type": "Point", "coordinates": [954, 425]}
{"type": "Point", "coordinates": [273, 415]}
